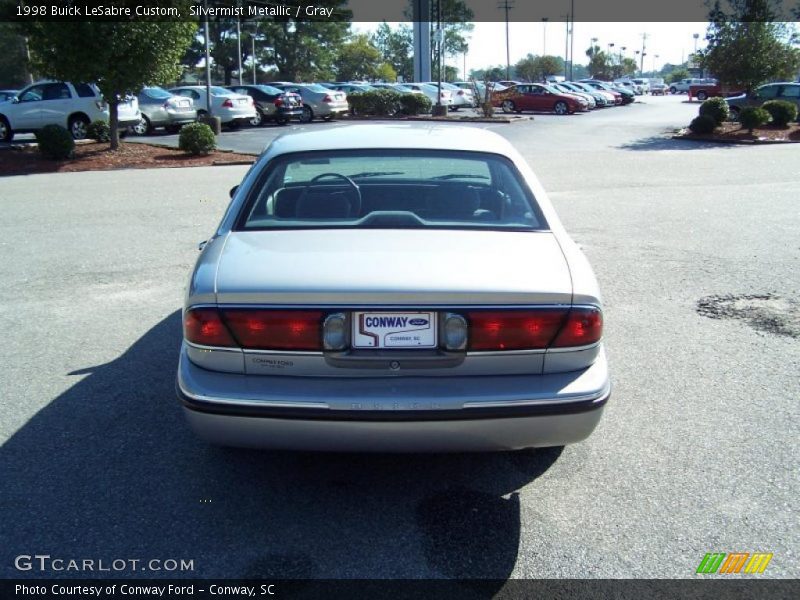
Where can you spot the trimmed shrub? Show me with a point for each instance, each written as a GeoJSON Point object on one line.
{"type": "Point", "coordinates": [197, 138]}
{"type": "Point", "coordinates": [781, 111]}
{"type": "Point", "coordinates": [99, 131]}
{"type": "Point", "coordinates": [377, 103]}
{"type": "Point", "coordinates": [55, 142]}
{"type": "Point", "coordinates": [717, 109]}
{"type": "Point", "coordinates": [752, 117]}
{"type": "Point", "coordinates": [415, 104]}
{"type": "Point", "coordinates": [703, 124]}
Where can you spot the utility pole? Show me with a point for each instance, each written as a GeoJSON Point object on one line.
{"type": "Point", "coordinates": [239, 38]}
{"type": "Point", "coordinates": [507, 6]}
{"type": "Point", "coordinates": [255, 61]}
{"type": "Point", "coordinates": [208, 59]}
{"type": "Point", "coordinates": [571, 33]}
{"type": "Point", "coordinates": [544, 35]}
{"type": "Point", "coordinates": [566, 47]}
{"type": "Point", "coordinates": [695, 36]}
{"type": "Point", "coordinates": [644, 42]}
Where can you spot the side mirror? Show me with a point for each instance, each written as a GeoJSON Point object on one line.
{"type": "Point", "coordinates": [15, 100]}
{"type": "Point", "coordinates": [202, 245]}
{"type": "Point", "coordinates": [233, 191]}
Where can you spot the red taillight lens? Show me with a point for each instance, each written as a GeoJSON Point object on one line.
{"type": "Point", "coordinates": [278, 102]}
{"type": "Point", "coordinates": [276, 329]}
{"type": "Point", "coordinates": [205, 327]}
{"type": "Point", "coordinates": [228, 103]}
{"type": "Point", "coordinates": [584, 326]}
{"type": "Point", "coordinates": [327, 98]}
{"type": "Point", "coordinates": [514, 329]}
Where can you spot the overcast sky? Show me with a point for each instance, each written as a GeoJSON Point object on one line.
{"type": "Point", "coordinates": [672, 42]}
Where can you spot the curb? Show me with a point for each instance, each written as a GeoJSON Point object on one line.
{"type": "Point", "coordinates": [458, 120]}
{"type": "Point", "coordinates": [716, 140]}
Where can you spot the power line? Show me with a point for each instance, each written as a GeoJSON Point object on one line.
{"type": "Point", "coordinates": [507, 6]}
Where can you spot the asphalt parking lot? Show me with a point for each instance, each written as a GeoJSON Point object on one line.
{"type": "Point", "coordinates": [696, 250]}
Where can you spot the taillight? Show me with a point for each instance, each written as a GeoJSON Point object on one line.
{"type": "Point", "coordinates": [584, 326]}
{"type": "Point", "coordinates": [205, 327]}
{"type": "Point", "coordinates": [327, 98]}
{"type": "Point", "coordinates": [278, 102]}
{"type": "Point", "coordinates": [514, 329]}
{"type": "Point", "coordinates": [227, 103]}
{"type": "Point", "coordinates": [166, 105]}
{"type": "Point", "coordinates": [275, 329]}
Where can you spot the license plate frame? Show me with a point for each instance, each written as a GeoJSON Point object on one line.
{"type": "Point", "coordinates": [394, 330]}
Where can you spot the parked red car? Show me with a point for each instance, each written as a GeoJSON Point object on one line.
{"type": "Point", "coordinates": [703, 91]}
{"type": "Point", "coordinates": [537, 97]}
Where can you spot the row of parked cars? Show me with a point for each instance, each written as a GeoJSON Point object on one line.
{"type": "Point", "coordinates": [562, 98]}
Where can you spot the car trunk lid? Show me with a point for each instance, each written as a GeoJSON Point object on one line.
{"type": "Point", "coordinates": [392, 267]}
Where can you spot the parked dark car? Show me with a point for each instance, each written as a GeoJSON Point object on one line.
{"type": "Point", "coordinates": [271, 103]}
{"type": "Point", "coordinates": [787, 91]}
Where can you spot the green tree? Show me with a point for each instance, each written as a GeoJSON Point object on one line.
{"type": "Point", "coordinates": [747, 47]}
{"type": "Point", "coordinates": [223, 48]}
{"type": "Point", "coordinates": [528, 68]}
{"type": "Point", "coordinates": [396, 47]}
{"type": "Point", "coordinates": [385, 72]}
{"type": "Point", "coordinates": [600, 64]}
{"type": "Point", "coordinates": [121, 57]}
{"type": "Point", "coordinates": [677, 75]}
{"type": "Point", "coordinates": [305, 50]}
{"type": "Point", "coordinates": [550, 65]}
{"type": "Point", "coordinates": [358, 59]}
{"type": "Point", "coordinates": [455, 19]}
{"type": "Point", "coordinates": [13, 57]}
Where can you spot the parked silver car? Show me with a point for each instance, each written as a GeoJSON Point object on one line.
{"type": "Point", "coordinates": [232, 108]}
{"type": "Point", "coordinates": [318, 101]}
{"type": "Point", "coordinates": [460, 97]}
{"type": "Point", "coordinates": [392, 288]}
{"type": "Point", "coordinates": [161, 108]}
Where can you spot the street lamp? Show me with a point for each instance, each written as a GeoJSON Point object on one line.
{"type": "Point", "coordinates": [655, 60]}
{"type": "Point", "coordinates": [255, 60]}
{"type": "Point", "coordinates": [594, 43]}
{"type": "Point", "coordinates": [695, 36]}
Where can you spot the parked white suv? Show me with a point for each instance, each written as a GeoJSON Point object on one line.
{"type": "Point", "coordinates": [682, 86]}
{"type": "Point", "coordinates": [73, 106]}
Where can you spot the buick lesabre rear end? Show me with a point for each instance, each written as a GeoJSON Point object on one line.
{"type": "Point", "coordinates": [392, 288]}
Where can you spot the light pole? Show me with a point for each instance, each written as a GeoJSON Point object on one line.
{"type": "Point", "coordinates": [695, 36]}
{"type": "Point", "coordinates": [255, 60]}
{"type": "Point", "coordinates": [239, 44]}
{"type": "Point", "coordinates": [655, 60]}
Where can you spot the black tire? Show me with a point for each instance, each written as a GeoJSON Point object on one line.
{"type": "Point", "coordinates": [6, 133]}
{"type": "Point", "coordinates": [308, 114]}
{"type": "Point", "coordinates": [258, 120]}
{"type": "Point", "coordinates": [78, 126]}
{"type": "Point", "coordinates": [561, 108]}
{"type": "Point", "coordinates": [733, 113]}
{"type": "Point", "coordinates": [673, 90]}
{"type": "Point", "coordinates": [143, 127]}
{"type": "Point", "coordinates": [702, 96]}
{"type": "Point", "coordinates": [508, 106]}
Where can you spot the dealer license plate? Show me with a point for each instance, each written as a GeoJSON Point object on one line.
{"type": "Point", "coordinates": [394, 329]}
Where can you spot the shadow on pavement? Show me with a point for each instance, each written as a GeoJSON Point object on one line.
{"type": "Point", "coordinates": [665, 142]}
{"type": "Point", "coordinates": [109, 470]}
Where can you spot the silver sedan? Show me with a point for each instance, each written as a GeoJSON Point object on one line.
{"type": "Point", "coordinates": [392, 288]}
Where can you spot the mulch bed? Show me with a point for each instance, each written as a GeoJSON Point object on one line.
{"type": "Point", "coordinates": [734, 133]}
{"type": "Point", "coordinates": [97, 156]}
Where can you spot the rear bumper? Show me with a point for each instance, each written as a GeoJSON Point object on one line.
{"type": "Point", "coordinates": [401, 414]}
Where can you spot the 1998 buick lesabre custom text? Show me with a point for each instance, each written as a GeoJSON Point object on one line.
{"type": "Point", "coordinates": [392, 288]}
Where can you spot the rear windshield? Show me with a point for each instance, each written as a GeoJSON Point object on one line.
{"type": "Point", "coordinates": [391, 189]}
{"type": "Point", "coordinates": [156, 93]}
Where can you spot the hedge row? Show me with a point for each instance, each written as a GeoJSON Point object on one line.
{"type": "Point", "coordinates": [387, 103]}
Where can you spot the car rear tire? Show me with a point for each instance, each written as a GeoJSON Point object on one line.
{"type": "Point", "coordinates": [509, 106]}
{"type": "Point", "coordinates": [78, 127]}
{"type": "Point", "coordinates": [702, 96]}
{"type": "Point", "coordinates": [143, 127]}
{"type": "Point", "coordinates": [733, 113]}
{"type": "Point", "coordinates": [308, 114]}
{"type": "Point", "coordinates": [561, 108]}
{"type": "Point", "coordinates": [6, 133]}
{"type": "Point", "coordinates": [258, 120]}
{"type": "Point", "coordinates": [673, 90]}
